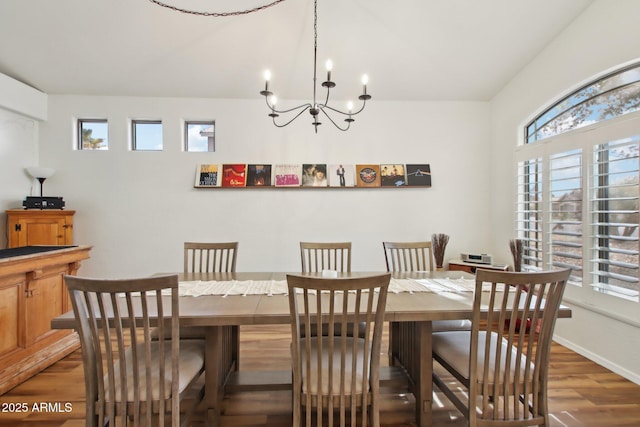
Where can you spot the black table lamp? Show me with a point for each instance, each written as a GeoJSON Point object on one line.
{"type": "Point", "coordinates": [41, 174]}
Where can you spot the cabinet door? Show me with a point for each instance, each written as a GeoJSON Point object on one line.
{"type": "Point", "coordinates": [39, 227]}
{"type": "Point", "coordinates": [45, 299]}
{"type": "Point", "coordinates": [12, 314]}
{"type": "Point", "coordinates": [41, 231]}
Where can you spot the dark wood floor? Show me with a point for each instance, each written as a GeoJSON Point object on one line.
{"type": "Point", "coordinates": [582, 393]}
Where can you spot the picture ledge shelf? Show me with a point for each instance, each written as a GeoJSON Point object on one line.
{"type": "Point", "coordinates": [313, 175]}
{"type": "Point", "coordinates": [273, 187]}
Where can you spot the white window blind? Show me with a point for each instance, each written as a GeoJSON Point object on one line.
{"type": "Point", "coordinates": [615, 208]}
{"type": "Point", "coordinates": [566, 222]}
{"type": "Point", "coordinates": [529, 213]}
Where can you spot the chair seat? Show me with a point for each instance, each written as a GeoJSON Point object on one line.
{"type": "Point", "coordinates": [454, 348]}
{"type": "Point", "coordinates": [191, 362]}
{"type": "Point", "coordinates": [311, 384]}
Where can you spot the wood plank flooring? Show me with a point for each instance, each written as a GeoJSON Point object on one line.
{"type": "Point", "coordinates": [582, 393]}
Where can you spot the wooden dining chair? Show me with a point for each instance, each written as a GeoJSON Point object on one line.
{"type": "Point", "coordinates": [503, 366]}
{"type": "Point", "coordinates": [210, 257]}
{"type": "Point", "coordinates": [415, 256]}
{"type": "Point", "coordinates": [337, 373]}
{"type": "Point", "coordinates": [130, 378]}
{"type": "Point", "coordinates": [408, 256]}
{"type": "Point", "coordinates": [317, 257]}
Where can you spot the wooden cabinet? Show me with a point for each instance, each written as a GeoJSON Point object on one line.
{"type": "Point", "coordinates": [471, 267]}
{"type": "Point", "coordinates": [32, 292]}
{"type": "Point", "coordinates": [29, 227]}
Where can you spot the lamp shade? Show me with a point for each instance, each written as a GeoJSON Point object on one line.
{"type": "Point", "coordinates": [38, 172]}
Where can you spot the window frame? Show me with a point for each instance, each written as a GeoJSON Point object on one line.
{"type": "Point", "coordinates": [79, 129]}
{"type": "Point", "coordinates": [566, 103]}
{"type": "Point", "coordinates": [134, 123]}
{"type": "Point", "coordinates": [211, 143]}
{"type": "Point", "coordinates": [584, 294]}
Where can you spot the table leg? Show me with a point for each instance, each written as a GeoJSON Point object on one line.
{"type": "Point", "coordinates": [213, 393]}
{"type": "Point", "coordinates": [221, 353]}
{"type": "Point", "coordinates": [411, 348]}
{"type": "Point", "coordinates": [424, 385]}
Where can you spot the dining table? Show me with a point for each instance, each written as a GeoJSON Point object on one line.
{"type": "Point", "coordinates": [221, 303]}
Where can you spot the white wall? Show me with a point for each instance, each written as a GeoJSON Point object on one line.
{"type": "Point", "coordinates": [137, 208]}
{"type": "Point", "coordinates": [20, 108]}
{"type": "Point", "coordinates": [603, 37]}
{"type": "Point", "coordinates": [18, 149]}
{"type": "Point", "coordinates": [22, 99]}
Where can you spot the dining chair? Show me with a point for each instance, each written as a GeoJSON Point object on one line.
{"type": "Point", "coordinates": [317, 257]}
{"type": "Point", "coordinates": [415, 256]}
{"type": "Point", "coordinates": [503, 367]}
{"type": "Point", "coordinates": [337, 373]}
{"type": "Point", "coordinates": [130, 378]}
{"type": "Point", "coordinates": [408, 256]}
{"type": "Point", "coordinates": [213, 257]}
{"type": "Point", "coordinates": [320, 256]}
{"type": "Point", "coordinates": [210, 257]}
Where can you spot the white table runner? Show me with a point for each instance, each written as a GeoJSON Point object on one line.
{"type": "Point", "coordinates": [279, 287]}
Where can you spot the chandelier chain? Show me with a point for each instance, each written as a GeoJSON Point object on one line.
{"type": "Point", "coordinates": [217, 14]}
{"type": "Point", "coordinates": [315, 48]}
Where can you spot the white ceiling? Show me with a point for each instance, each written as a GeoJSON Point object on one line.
{"type": "Point", "coordinates": [411, 49]}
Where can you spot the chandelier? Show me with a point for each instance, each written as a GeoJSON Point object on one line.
{"type": "Point", "coordinates": [315, 108]}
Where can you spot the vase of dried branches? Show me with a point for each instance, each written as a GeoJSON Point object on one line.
{"type": "Point", "coordinates": [516, 246]}
{"type": "Point", "coordinates": [439, 244]}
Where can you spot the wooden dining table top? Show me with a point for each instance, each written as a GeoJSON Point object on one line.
{"type": "Point", "coordinates": [262, 309]}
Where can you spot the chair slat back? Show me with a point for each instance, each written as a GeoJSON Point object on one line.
{"type": "Point", "coordinates": [122, 391]}
{"type": "Point", "coordinates": [210, 257]}
{"type": "Point", "coordinates": [508, 376]}
{"type": "Point", "coordinates": [336, 371]}
{"type": "Point", "coordinates": [325, 256]}
{"type": "Point", "coordinates": [408, 256]}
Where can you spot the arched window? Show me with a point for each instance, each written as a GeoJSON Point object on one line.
{"type": "Point", "coordinates": [612, 96]}
{"type": "Point", "coordinates": [578, 194]}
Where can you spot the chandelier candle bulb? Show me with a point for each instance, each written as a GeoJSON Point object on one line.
{"type": "Point", "coordinates": [365, 80]}
{"type": "Point", "coordinates": [272, 98]}
{"type": "Point", "coordinates": [329, 68]}
{"type": "Point", "coordinates": [267, 77]}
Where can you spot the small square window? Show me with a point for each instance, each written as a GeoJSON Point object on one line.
{"type": "Point", "coordinates": [146, 135]}
{"type": "Point", "coordinates": [199, 136]}
{"type": "Point", "coordinates": [93, 134]}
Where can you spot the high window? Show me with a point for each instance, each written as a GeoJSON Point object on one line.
{"type": "Point", "coordinates": [578, 192]}
{"type": "Point", "coordinates": [93, 134]}
{"type": "Point", "coordinates": [146, 135]}
{"type": "Point", "coordinates": [199, 136]}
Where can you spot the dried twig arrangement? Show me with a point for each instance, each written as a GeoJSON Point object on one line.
{"type": "Point", "coordinates": [516, 246]}
{"type": "Point", "coordinates": [439, 243]}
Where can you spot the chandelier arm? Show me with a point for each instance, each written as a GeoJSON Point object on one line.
{"type": "Point", "coordinates": [342, 112]}
{"type": "Point", "coordinates": [334, 123]}
{"type": "Point", "coordinates": [216, 14]}
{"type": "Point", "coordinates": [303, 106]}
{"type": "Point", "coordinates": [306, 107]}
{"type": "Point", "coordinates": [326, 99]}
